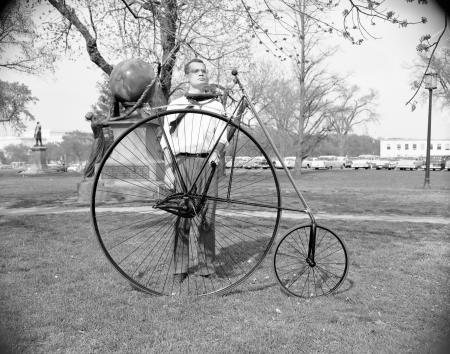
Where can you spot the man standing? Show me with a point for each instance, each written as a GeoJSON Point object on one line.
{"type": "Point", "coordinates": [38, 134]}
{"type": "Point", "coordinates": [190, 151]}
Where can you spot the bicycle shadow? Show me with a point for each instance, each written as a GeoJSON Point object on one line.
{"type": "Point", "coordinates": [239, 258]}
{"type": "Point", "coordinates": [344, 288]}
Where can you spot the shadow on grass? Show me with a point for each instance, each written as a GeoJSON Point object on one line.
{"type": "Point", "coordinates": [250, 290]}
{"type": "Point", "coordinates": [347, 286]}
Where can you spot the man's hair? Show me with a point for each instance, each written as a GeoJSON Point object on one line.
{"type": "Point", "coordinates": [195, 60]}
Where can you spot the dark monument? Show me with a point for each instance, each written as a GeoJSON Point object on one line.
{"type": "Point", "coordinates": [128, 81]}
{"type": "Point", "coordinates": [38, 134]}
{"type": "Point", "coordinates": [38, 155]}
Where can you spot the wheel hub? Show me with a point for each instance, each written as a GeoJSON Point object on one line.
{"type": "Point", "coordinates": [179, 204]}
{"type": "Point", "coordinates": [310, 262]}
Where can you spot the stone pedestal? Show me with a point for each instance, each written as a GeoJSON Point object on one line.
{"type": "Point", "coordinates": [150, 156]}
{"type": "Point", "coordinates": [38, 160]}
{"type": "Point", "coordinates": [137, 159]}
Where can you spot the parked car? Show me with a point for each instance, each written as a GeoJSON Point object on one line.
{"type": "Point", "coordinates": [307, 162]}
{"type": "Point", "coordinates": [257, 162]}
{"type": "Point", "coordinates": [358, 163]}
{"type": "Point", "coordinates": [239, 161]}
{"type": "Point", "coordinates": [437, 163]}
{"type": "Point", "coordinates": [354, 158]}
{"type": "Point", "coordinates": [392, 164]}
{"type": "Point", "coordinates": [289, 161]}
{"type": "Point", "coordinates": [251, 163]}
{"type": "Point", "coordinates": [327, 162]}
{"type": "Point", "coordinates": [320, 163]}
{"type": "Point", "coordinates": [75, 167]}
{"type": "Point", "coordinates": [387, 164]}
{"type": "Point", "coordinates": [348, 162]}
{"type": "Point", "coordinates": [364, 161]}
{"type": "Point", "coordinates": [447, 164]}
{"type": "Point", "coordinates": [409, 163]}
{"type": "Point", "coordinates": [344, 161]}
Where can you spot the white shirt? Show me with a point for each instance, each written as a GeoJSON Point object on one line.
{"type": "Point", "coordinates": [196, 133]}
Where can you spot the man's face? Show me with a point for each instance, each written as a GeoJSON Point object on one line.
{"type": "Point", "coordinates": [197, 76]}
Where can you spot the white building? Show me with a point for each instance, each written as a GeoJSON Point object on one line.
{"type": "Point", "coordinates": [413, 147]}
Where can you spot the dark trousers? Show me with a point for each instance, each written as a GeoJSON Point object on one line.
{"type": "Point", "coordinates": [198, 254]}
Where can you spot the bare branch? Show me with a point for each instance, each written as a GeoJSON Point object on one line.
{"type": "Point", "coordinates": [429, 61]}
{"type": "Point", "coordinates": [91, 43]}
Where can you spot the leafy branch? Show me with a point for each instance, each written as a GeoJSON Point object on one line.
{"type": "Point", "coordinates": [424, 46]}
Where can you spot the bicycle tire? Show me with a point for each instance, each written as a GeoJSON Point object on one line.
{"type": "Point", "coordinates": [139, 241]}
{"type": "Point", "coordinates": [299, 278]}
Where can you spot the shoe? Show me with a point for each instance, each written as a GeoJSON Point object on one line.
{"type": "Point", "coordinates": [179, 278]}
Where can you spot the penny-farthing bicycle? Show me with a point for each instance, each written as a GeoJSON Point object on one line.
{"type": "Point", "coordinates": [140, 197]}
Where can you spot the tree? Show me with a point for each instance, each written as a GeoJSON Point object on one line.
{"type": "Point", "coordinates": [157, 30]}
{"type": "Point", "coordinates": [357, 17]}
{"type": "Point", "coordinates": [18, 35]}
{"type": "Point", "coordinates": [293, 16]}
{"type": "Point", "coordinates": [354, 109]}
{"type": "Point", "coordinates": [55, 152]}
{"type": "Point", "coordinates": [437, 63]}
{"type": "Point", "coordinates": [76, 145]}
{"type": "Point", "coordinates": [440, 64]}
{"type": "Point", "coordinates": [283, 112]}
{"type": "Point", "coordinates": [18, 152]}
{"type": "Point", "coordinates": [103, 105]}
{"type": "Point", "coordinates": [14, 101]}
{"type": "Point", "coordinates": [355, 145]}
{"type": "Point", "coordinates": [299, 108]}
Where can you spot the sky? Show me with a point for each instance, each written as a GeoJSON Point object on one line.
{"type": "Point", "coordinates": [381, 64]}
{"type": "Point", "coordinates": [385, 65]}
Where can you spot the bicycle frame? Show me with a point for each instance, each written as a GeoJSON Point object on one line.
{"type": "Point", "coordinates": [138, 244]}
{"type": "Point", "coordinates": [242, 104]}
{"type": "Point", "coordinates": [306, 210]}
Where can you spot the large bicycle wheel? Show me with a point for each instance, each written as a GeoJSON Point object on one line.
{"type": "Point", "coordinates": [153, 216]}
{"type": "Point", "coordinates": [305, 279]}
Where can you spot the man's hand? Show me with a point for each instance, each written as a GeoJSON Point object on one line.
{"type": "Point", "coordinates": [215, 157]}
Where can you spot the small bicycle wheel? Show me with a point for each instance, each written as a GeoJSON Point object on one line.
{"type": "Point", "coordinates": [306, 279]}
{"type": "Point", "coordinates": [139, 202]}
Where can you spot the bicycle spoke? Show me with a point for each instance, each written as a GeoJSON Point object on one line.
{"type": "Point", "coordinates": [327, 272]}
{"type": "Point", "coordinates": [136, 193]}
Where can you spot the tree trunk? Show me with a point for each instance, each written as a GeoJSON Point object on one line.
{"type": "Point", "coordinates": [342, 140]}
{"type": "Point", "coordinates": [91, 42]}
{"type": "Point", "coordinates": [301, 78]}
{"type": "Point", "coordinates": [168, 22]}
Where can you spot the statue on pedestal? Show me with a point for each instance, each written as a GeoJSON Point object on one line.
{"type": "Point", "coordinates": [98, 146]}
{"type": "Point", "coordinates": [38, 134]}
{"type": "Point", "coordinates": [135, 91]}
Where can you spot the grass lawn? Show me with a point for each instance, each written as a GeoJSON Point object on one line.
{"type": "Point", "coordinates": [59, 293]}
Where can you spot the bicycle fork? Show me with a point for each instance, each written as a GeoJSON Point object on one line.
{"type": "Point", "coordinates": [312, 245]}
